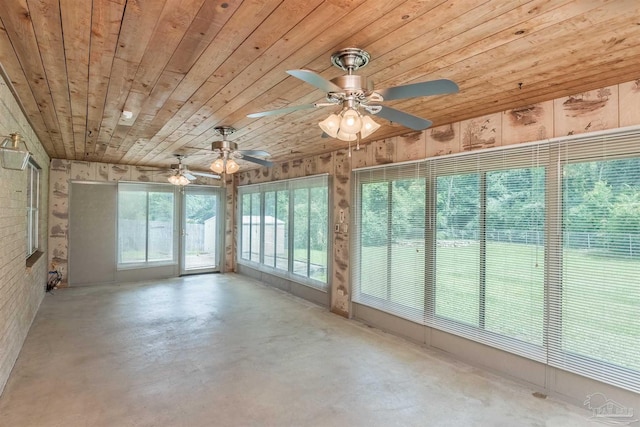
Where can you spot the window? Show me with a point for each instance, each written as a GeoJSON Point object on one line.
{"type": "Point", "coordinates": [600, 298]}
{"type": "Point", "coordinates": [276, 219]}
{"type": "Point", "coordinates": [534, 249]}
{"type": "Point", "coordinates": [146, 224]}
{"type": "Point", "coordinates": [285, 228]}
{"type": "Point", "coordinates": [33, 207]}
{"type": "Point", "coordinates": [392, 223]}
{"type": "Point", "coordinates": [457, 266]}
{"type": "Point", "coordinates": [489, 255]}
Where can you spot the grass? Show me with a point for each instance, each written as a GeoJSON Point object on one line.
{"type": "Point", "coordinates": [600, 298]}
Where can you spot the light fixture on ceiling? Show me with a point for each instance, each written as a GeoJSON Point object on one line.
{"type": "Point", "coordinates": [352, 92]}
{"type": "Point", "coordinates": [179, 179]}
{"type": "Point", "coordinates": [227, 152]}
{"type": "Point", "coordinates": [348, 124]}
{"type": "Point", "coordinates": [225, 164]}
{"type": "Point", "coordinates": [14, 152]}
{"type": "Point", "coordinates": [181, 175]}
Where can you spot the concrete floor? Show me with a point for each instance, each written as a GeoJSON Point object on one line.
{"type": "Point", "coordinates": [225, 350]}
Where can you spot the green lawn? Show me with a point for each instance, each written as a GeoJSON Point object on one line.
{"type": "Point", "coordinates": [318, 260]}
{"type": "Point", "coordinates": [514, 297]}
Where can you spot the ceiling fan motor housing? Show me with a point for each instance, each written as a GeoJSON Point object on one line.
{"type": "Point", "coordinates": [224, 145]}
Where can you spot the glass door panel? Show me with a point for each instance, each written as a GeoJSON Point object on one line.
{"type": "Point", "coordinates": [202, 222]}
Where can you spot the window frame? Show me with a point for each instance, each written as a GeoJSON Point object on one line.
{"type": "Point", "coordinates": [34, 183]}
{"type": "Point", "coordinates": [288, 186]}
{"type": "Point", "coordinates": [148, 188]}
{"type": "Point", "coordinates": [552, 156]}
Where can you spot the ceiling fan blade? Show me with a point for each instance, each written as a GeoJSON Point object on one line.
{"type": "Point", "coordinates": [261, 162]}
{"type": "Point", "coordinates": [258, 153]}
{"type": "Point", "coordinates": [405, 119]}
{"type": "Point", "coordinates": [433, 87]}
{"type": "Point", "coordinates": [315, 79]}
{"type": "Point", "coordinates": [188, 175]}
{"type": "Point", "coordinates": [280, 111]}
{"type": "Point", "coordinates": [208, 175]}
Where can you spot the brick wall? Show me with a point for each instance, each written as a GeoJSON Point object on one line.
{"type": "Point", "coordinates": [21, 287]}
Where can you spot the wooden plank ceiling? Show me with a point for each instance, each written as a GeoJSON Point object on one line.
{"type": "Point", "coordinates": [183, 67]}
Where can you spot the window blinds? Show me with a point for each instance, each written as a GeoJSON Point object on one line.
{"type": "Point", "coordinates": [594, 292]}
{"type": "Point", "coordinates": [534, 249]}
{"type": "Point", "coordinates": [388, 260]}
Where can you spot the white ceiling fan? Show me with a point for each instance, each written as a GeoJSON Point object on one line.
{"type": "Point", "coordinates": [352, 93]}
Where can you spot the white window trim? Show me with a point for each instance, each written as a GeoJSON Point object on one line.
{"type": "Point", "coordinates": [289, 185]}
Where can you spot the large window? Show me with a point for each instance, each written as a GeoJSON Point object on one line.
{"type": "Point", "coordinates": [146, 224]}
{"type": "Point", "coordinates": [285, 228]}
{"type": "Point", "coordinates": [600, 298]}
{"type": "Point", "coordinates": [392, 224]}
{"type": "Point", "coordinates": [533, 249]}
{"type": "Point", "coordinates": [33, 207]}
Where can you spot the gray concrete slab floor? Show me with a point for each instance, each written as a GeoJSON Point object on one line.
{"type": "Point", "coordinates": [224, 350]}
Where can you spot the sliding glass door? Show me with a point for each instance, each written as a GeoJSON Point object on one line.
{"type": "Point", "coordinates": [201, 230]}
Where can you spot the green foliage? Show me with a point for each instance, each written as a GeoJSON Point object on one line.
{"type": "Point", "coordinates": [603, 199]}
{"type": "Point", "coordinates": [310, 218]}
{"type": "Point", "coordinates": [161, 207]}
{"type": "Point", "coordinates": [398, 206]}
{"type": "Point", "coordinates": [200, 207]}
{"type": "Point", "coordinates": [458, 205]}
{"type": "Point", "coordinates": [374, 214]}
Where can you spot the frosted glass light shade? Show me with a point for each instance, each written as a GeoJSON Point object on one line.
{"type": "Point", "coordinates": [369, 126]}
{"type": "Point", "coordinates": [343, 136]}
{"type": "Point", "coordinates": [179, 180]}
{"type": "Point", "coordinates": [351, 122]}
{"type": "Point", "coordinates": [330, 125]}
{"type": "Point", "coordinates": [217, 166]}
{"type": "Point", "coordinates": [232, 166]}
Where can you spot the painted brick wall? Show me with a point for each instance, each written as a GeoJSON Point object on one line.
{"type": "Point", "coordinates": [21, 287]}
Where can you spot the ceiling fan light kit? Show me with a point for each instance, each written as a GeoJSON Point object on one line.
{"type": "Point", "coordinates": [182, 176]}
{"type": "Point", "coordinates": [352, 93]}
{"type": "Point", "coordinates": [227, 152]}
{"type": "Point", "coordinates": [221, 165]}
{"type": "Point", "coordinates": [179, 179]}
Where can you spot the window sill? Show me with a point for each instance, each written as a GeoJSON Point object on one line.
{"type": "Point", "coordinates": [33, 258]}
